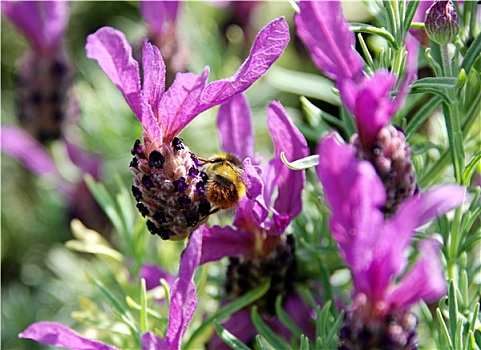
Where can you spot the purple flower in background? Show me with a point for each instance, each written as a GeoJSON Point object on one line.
{"type": "Point", "coordinates": [19, 145]}
{"type": "Point", "coordinates": [256, 245]}
{"type": "Point", "coordinates": [182, 307]}
{"type": "Point", "coordinates": [374, 248]}
{"type": "Point", "coordinates": [324, 30]}
{"type": "Point", "coordinates": [44, 74]}
{"type": "Point", "coordinates": [168, 184]}
{"type": "Point", "coordinates": [161, 18]}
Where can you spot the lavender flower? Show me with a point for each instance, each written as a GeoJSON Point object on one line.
{"type": "Point", "coordinates": [18, 144]}
{"type": "Point", "coordinates": [442, 24]}
{"type": "Point", "coordinates": [325, 32]}
{"type": "Point", "coordinates": [374, 248]}
{"type": "Point", "coordinates": [256, 245]}
{"type": "Point", "coordinates": [167, 178]}
{"type": "Point", "coordinates": [45, 77]}
{"type": "Point", "coordinates": [182, 307]}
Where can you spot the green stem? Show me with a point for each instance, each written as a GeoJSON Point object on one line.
{"type": "Point", "coordinates": [452, 119]}
{"type": "Point", "coordinates": [455, 136]}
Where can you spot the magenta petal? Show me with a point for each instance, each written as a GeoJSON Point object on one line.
{"type": "Point", "coordinates": [218, 242]}
{"type": "Point", "coordinates": [268, 46]}
{"type": "Point", "coordinates": [152, 275]}
{"type": "Point", "coordinates": [42, 22]}
{"type": "Point", "coordinates": [355, 194]}
{"type": "Point", "coordinates": [235, 127]}
{"type": "Point", "coordinates": [55, 334]}
{"type": "Point", "coordinates": [18, 144]}
{"type": "Point", "coordinates": [252, 179]}
{"type": "Point", "coordinates": [288, 139]}
{"type": "Point", "coordinates": [179, 104]}
{"type": "Point", "coordinates": [325, 32]}
{"type": "Point", "coordinates": [425, 281]}
{"type": "Point", "coordinates": [413, 213]}
{"type": "Point", "coordinates": [183, 300]}
{"type": "Point", "coordinates": [374, 106]}
{"type": "Point", "coordinates": [151, 342]}
{"type": "Point", "coordinates": [159, 15]}
{"type": "Point", "coordinates": [114, 54]}
{"type": "Point", "coordinates": [154, 75]}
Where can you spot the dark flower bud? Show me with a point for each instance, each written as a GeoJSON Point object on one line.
{"type": "Point", "coordinates": [441, 22]}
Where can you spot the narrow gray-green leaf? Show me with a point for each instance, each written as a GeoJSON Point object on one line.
{"type": "Point", "coordinates": [229, 338]}
{"type": "Point", "coordinates": [267, 333]}
{"type": "Point", "coordinates": [472, 54]}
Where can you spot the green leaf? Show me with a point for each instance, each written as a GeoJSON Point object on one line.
{"type": "Point", "coordinates": [273, 339]}
{"type": "Point", "coordinates": [370, 29]}
{"type": "Point", "coordinates": [422, 115]}
{"type": "Point", "coordinates": [472, 54]}
{"type": "Point", "coordinates": [301, 164]}
{"type": "Point", "coordinates": [444, 329]}
{"type": "Point", "coordinates": [332, 335]}
{"type": "Point", "coordinates": [115, 304]}
{"type": "Point", "coordinates": [221, 314]}
{"type": "Point", "coordinates": [286, 319]}
{"type": "Point", "coordinates": [144, 321]}
{"type": "Point", "coordinates": [304, 343]}
{"type": "Point", "coordinates": [469, 170]}
{"type": "Point", "coordinates": [229, 338]}
{"type": "Point", "coordinates": [453, 311]}
{"type": "Point", "coordinates": [410, 12]}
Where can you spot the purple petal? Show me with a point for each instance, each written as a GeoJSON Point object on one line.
{"type": "Point", "coordinates": [87, 162]}
{"type": "Point", "coordinates": [179, 105]}
{"type": "Point", "coordinates": [183, 302]}
{"type": "Point", "coordinates": [42, 22]}
{"type": "Point", "coordinates": [17, 144]}
{"type": "Point", "coordinates": [218, 242]}
{"type": "Point", "coordinates": [114, 55]}
{"type": "Point", "coordinates": [252, 179]}
{"type": "Point", "coordinates": [151, 342]}
{"type": "Point", "coordinates": [413, 213]}
{"type": "Point", "coordinates": [370, 103]}
{"type": "Point", "coordinates": [153, 66]}
{"type": "Point", "coordinates": [355, 194]}
{"type": "Point", "coordinates": [425, 281]}
{"type": "Point", "coordinates": [325, 32]}
{"type": "Point", "coordinates": [159, 15]}
{"type": "Point", "coordinates": [235, 127]}
{"type": "Point", "coordinates": [55, 334]}
{"type": "Point", "coordinates": [288, 139]}
{"type": "Point", "coordinates": [152, 275]}
{"type": "Point", "coordinates": [267, 48]}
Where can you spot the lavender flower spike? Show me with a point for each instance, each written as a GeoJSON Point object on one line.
{"type": "Point", "coordinates": [168, 183]}
{"type": "Point", "coordinates": [44, 73]}
{"type": "Point", "coordinates": [375, 248]}
{"type": "Point", "coordinates": [256, 244]}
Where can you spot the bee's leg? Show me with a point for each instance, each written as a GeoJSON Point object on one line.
{"type": "Point", "coordinates": [213, 211]}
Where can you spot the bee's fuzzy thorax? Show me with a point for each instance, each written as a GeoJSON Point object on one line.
{"type": "Point", "coordinates": [225, 187]}
{"type": "Point", "coordinates": [169, 188]}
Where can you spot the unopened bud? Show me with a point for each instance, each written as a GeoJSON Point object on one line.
{"type": "Point", "coordinates": [442, 24]}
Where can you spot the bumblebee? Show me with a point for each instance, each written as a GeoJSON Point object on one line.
{"type": "Point", "coordinates": [224, 188]}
